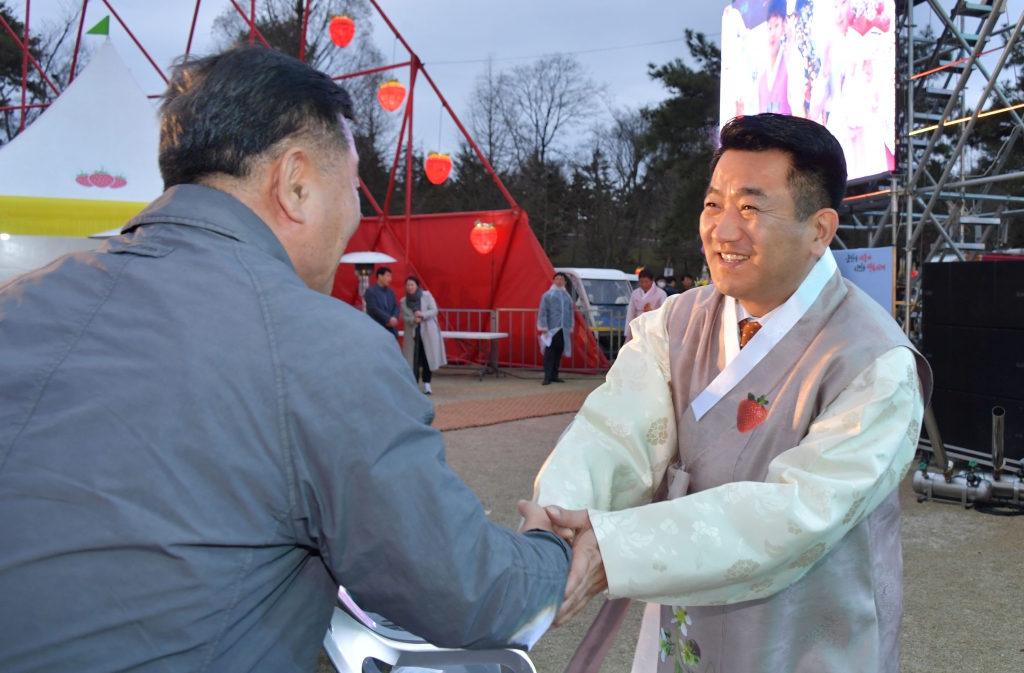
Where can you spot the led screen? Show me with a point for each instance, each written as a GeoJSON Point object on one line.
{"type": "Point", "coordinates": [832, 61]}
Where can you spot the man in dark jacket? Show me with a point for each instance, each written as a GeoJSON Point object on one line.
{"type": "Point", "coordinates": [197, 444]}
{"type": "Point", "coordinates": [380, 301]}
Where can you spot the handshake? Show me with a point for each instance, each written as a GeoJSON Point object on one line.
{"type": "Point", "coordinates": [586, 574]}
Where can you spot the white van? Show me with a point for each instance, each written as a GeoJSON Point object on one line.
{"type": "Point", "coordinates": [602, 296]}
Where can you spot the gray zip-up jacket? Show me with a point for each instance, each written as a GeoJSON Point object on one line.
{"type": "Point", "coordinates": [196, 449]}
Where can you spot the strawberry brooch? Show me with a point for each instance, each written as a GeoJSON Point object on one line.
{"type": "Point", "coordinates": [751, 413]}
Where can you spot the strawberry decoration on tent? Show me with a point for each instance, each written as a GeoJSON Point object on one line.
{"type": "Point", "coordinates": [751, 413]}
{"type": "Point", "coordinates": [101, 179]}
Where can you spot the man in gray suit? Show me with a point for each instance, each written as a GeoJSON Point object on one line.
{"type": "Point", "coordinates": [198, 444]}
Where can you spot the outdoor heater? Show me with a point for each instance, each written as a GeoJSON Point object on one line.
{"type": "Point", "coordinates": [364, 263]}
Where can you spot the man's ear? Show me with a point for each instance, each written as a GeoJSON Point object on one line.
{"type": "Point", "coordinates": [292, 174]}
{"type": "Point", "coordinates": [825, 223]}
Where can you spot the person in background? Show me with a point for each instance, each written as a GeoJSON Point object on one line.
{"type": "Point", "coordinates": [662, 282]}
{"type": "Point", "coordinates": [687, 283]}
{"type": "Point", "coordinates": [422, 345]}
{"type": "Point", "coordinates": [773, 85]}
{"type": "Point", "coordinates": [380, 301]}
{"type": "Point", "coordinates": [647, 297]}
{"type": "Point", "coordinates": [555, 320]}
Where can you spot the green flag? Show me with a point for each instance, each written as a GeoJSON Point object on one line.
{"type": "Point", "coordinates": [101, 28]}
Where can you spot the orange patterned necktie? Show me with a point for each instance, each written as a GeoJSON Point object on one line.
{"type": "Point", "coordinates": [748, 328]}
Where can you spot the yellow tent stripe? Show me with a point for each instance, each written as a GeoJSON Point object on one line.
{"type": "Point", "coordinates": [63, 217]}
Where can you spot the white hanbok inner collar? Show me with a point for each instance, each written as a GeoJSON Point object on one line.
{"type": "Point", "coordinates": [782, 319]}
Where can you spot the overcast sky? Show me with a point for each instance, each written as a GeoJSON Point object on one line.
{"type": "Point", "coordinates": [447, 33]}
{"type": "Point", "coordinates": [614, 40]}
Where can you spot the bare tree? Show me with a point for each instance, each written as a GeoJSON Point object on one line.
{"type": "Point", "coordinates": [487, 119]}
{"type": "Point", "coordinates": [544, 100]}
{"type": "Point", "coordinates": [51, 43]}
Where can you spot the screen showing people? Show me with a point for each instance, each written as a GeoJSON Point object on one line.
{"type": "Point", "coordinates": [832, 61]}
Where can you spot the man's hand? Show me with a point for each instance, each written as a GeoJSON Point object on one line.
{"type": "Point", "coordinates": [393, 322]}
{"type": "Point", "coordinates": [586, 574]}
{"type": "Point", "coordinates": [534, 517]}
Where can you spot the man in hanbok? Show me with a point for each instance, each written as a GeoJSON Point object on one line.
{"type": "Point", "coordinates": [647, 297]}
{"type": "Point", "coordinates": [738, 469]}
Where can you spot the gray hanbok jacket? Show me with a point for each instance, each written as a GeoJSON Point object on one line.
{"type": "Point", "coordinates": [196, 449]}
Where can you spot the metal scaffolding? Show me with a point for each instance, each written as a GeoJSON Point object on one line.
{"type": "Point", "coordinates": [941, 192]}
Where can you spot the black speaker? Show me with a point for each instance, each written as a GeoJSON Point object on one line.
{"type": "Point", "coordinates": [965, 421]}
{"type": "Point", "coordinates": [983, 361]}
{"type": "Point", "coordinates": [973, 294]}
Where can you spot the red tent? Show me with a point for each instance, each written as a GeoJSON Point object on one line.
{"type": "Point", "coordinates": [509, 280]}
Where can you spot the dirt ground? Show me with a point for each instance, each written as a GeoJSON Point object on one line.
{"type": "Point", "coordinates": [963, 575]}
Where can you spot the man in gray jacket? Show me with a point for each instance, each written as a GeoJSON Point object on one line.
{"type": "Point", "coordinates": [197, 444]}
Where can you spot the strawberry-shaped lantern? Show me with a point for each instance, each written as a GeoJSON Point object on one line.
{"type": "Point", "coordinates": [751, 413]}
{"type": "Point", "coordinates": [391, 94]}
{"type": "Point", "coordinates": [83, 179]}
{"type": "Point", "coordinates": [119, 182]}
{"type": "Point", "coordinates": [437, 167]}
{"type": "Point", "coordinates": [343, 28]}
{"type": "Point", "coordinates": [483, 237]}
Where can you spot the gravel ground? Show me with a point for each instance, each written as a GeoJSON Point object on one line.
{"type": "Point", "coordinates": [964, 580]}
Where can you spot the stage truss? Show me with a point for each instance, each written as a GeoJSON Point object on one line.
{"type": "Point", "coordinates": [948, 211]}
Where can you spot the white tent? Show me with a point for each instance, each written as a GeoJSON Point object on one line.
{"type": "Point", "coordinates": [89, 162]}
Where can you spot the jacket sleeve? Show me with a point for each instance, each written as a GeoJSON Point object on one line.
{"type": "Point", "coordinates": [542, 313]}
{"type": "Point", "coordinates": [429, 308]}
{"type": "Point", "coordinates": [396, 312]}
{"type": "Point", "coordinates": [394, 524]}
{"type": "Point", "coordinates": [407, 315]}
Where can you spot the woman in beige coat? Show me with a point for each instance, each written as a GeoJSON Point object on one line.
{"type": "Point", "coordinates": [422, 344]}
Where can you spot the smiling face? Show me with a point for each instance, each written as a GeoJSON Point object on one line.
{"type": "Point", "coordinates": [757, 251]}
{"type": "Point", "coordinates": [411, 286]}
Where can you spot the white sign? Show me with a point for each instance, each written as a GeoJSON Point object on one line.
{"type": "Point", "coordinates": [872, 270]}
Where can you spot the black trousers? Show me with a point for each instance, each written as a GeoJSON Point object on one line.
{"type": "Point", "coordinates": [553, 356]}
{"type": "Point", "coordinates": [419, 359]}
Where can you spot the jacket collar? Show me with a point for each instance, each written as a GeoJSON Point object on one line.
{"type": "Point", "coordinates": [213, 210]}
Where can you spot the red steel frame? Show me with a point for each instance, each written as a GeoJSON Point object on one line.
{"type": "Point", "coordinates": [405, 136]}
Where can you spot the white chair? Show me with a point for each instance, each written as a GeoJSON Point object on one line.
{"type": "Point", "coordinates": [355, 639]}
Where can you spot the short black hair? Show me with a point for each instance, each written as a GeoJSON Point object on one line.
{"type": "Point", "coordinates": [221, 113]}
{"type": "Point", "coordinates": [777, 8]}
{"type": "Point", "coordinates": [415, 280]}
{"type": "Point", "coordinates": [817, 166]}
{"type": "Point", "coordinates": [686, 275]}
{"type": "Point", "coordinates": [559, 273]}
{"type": "Point", "coordinates": [661, 278]}
{"type": "Point", "coordinates": [381, 270]}
{"type": "Point", "coordinates": [646, 273]}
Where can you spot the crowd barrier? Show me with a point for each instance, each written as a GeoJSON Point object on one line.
{"type": "Point", "coordinates": [521, 348]}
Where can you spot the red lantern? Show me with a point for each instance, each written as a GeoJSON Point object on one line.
{"type": "Point", "coordinates": [390, 95]}
{"type": "Point", "coordinates": [483, 237]}
{"type": "Point", "coordinates": [438, 166]}
{"type": "Point", "coordinates": [342, 30]}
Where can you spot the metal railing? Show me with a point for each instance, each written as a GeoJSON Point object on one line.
{"type": "Point", "coordinates": [522, 349]}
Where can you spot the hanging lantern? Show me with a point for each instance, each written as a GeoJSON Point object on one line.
{"type": "Point", "coordinates": [342, 30]}
{"type": "Point", "coordinates": [391, 94]}
{"type": "Point", "coordinates": [483, 237]}
{"type": "Point", "coordinates": [438, 166]}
